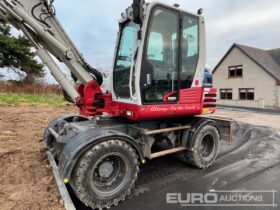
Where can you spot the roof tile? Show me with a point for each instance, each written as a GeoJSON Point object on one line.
{"type": "Point", "coordinates": [275, 53]}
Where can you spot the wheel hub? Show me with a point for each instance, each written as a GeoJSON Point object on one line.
{"type": "Point", "coordinates": [106, 169]}
{"type": "Point", "coordinates": [109, 174]}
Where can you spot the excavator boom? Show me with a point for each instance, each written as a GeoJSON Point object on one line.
{"type": "Point", "coordinates": [37, 20]}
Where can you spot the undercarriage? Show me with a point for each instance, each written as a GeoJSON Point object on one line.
{"type": "Point", "coordinates": [106, 151]}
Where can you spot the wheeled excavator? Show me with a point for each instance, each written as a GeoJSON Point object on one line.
{"type": "Point", "coordinates": [156, 97]}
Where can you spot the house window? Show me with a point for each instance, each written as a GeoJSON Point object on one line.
{"type": "Point", "coordinates": [235, 71]}
{"type": "Point", "coordinates": [226, 94]}
{"type": "Point", "coordinates": [246, 94]}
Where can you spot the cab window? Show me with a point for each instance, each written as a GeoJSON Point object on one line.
{"type": "Point", "coordinates": [155, 47]}
{"type": "Point", "coordinates": [159, 77]}
{"type": "Point", "coordinates": [124, 60]}
{"type": "Point", "coordinates": [190, 50]}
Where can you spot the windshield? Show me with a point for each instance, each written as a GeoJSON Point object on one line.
{"type": "Point", "coordinates": [124, 60]}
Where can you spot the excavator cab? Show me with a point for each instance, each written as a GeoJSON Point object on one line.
{"type": "Point", "coordinates": [157, 59]}
{"type": "Point", "coordinates": [159, 62]}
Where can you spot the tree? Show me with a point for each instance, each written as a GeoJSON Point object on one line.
{"type": "Point", "coordinates": [16, 54]}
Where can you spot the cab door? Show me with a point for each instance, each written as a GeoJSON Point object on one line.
{"type": "Point", "coordinates": [159, 70]}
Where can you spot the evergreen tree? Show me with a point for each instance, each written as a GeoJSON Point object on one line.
{"type": "Point", "coordinates": [16, 54]}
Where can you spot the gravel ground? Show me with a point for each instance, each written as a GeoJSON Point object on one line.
{"type": "Point", "coordinates": [250, 117]}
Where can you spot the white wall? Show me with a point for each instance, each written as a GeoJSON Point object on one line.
{"type": "Point", "coordinates": [253, 77]}
{"type": "Point", "coordinates": [277, 96]}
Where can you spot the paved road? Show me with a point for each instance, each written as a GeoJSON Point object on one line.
{"type": "Point", "coordinates": [251, 162]}
{"type": "Point", "coordinates": [250, 117]}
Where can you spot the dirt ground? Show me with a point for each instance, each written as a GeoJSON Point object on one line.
{"type": "Point", "coordinates": [26, 180]}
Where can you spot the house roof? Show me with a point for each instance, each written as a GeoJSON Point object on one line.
{"type": "Point", "coordinates": [275, 53]}
{"type": "Point", "coordinates": [268, 60]}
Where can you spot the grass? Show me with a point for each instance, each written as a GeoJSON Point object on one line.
{"type": "Point", "coordinates": [30, 99]}
{"type": "Point", "coordinates": [39, 88]}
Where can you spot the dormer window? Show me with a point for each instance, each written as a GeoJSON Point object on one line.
{"type": "Point", "coordinates": [235, 71]}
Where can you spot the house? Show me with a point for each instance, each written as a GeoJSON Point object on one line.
{"type": "Point", "coordinates": [248, 77]}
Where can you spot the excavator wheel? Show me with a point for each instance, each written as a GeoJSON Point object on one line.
{"type": "Point", "coordinates": [203, 147]}
{"type": "Point", "coordinates": [105, 174]}
{"type": "Point", "coordinates": [52, 145]}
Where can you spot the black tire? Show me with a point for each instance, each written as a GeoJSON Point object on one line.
{"type": "Point", "coordinates": [203, 147]}
{"type": "Point", "coordinates": [100, 187]}
{"type": "Point", "coordinates": [50, 141]}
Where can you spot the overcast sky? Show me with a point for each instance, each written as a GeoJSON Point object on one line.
{"type": "Point", "coordinates": [92, 25]}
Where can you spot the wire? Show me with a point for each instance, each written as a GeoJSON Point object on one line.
{"type": "Point", "coordinates": [33, 12]}
{"type": "Point", "coordinates": [51, 12]}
